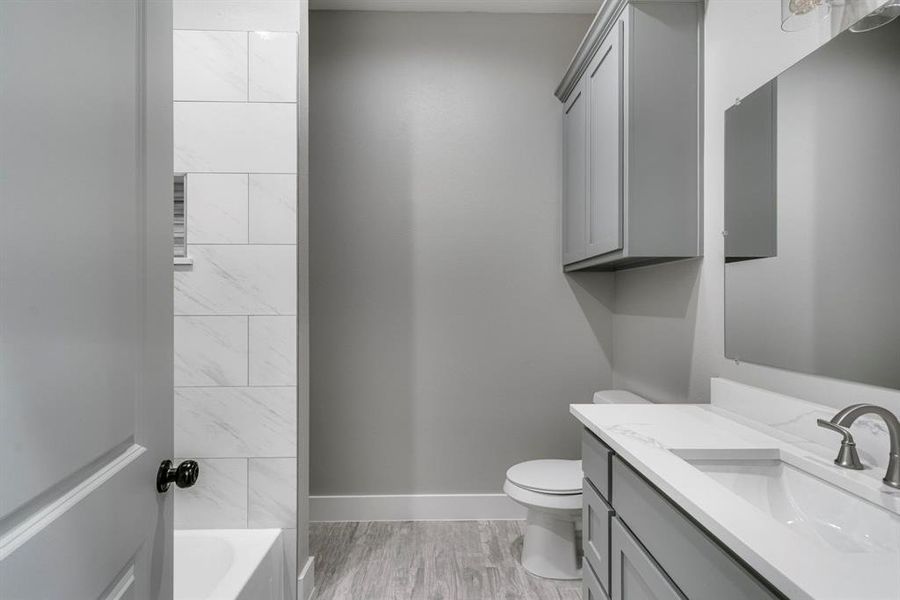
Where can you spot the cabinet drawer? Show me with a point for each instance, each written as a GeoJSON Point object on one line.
{"type": "Point", "coordinates": [635, 575]}
{"type": "Point", "coordinates": [592, 590]}
{"type": "Point", "coordinates": [595, 533]}
{"type": "Point", "coordinates": [595, 462]}
{"type": "Point", "coordinates": [697, 564]}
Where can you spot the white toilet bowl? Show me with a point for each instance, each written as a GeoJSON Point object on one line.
{"type": "Point", "coordinates": [551, 491]}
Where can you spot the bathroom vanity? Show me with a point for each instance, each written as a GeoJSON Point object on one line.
{"type": "Point", "coordinates": [633, 533]}
{"type": "Point", "coordinates": [702, 502]}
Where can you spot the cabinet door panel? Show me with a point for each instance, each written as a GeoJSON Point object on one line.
{"type": "Point", "coordinates": [596, 459]}
{"type": "Point", "coordinates": [605, 145]}
{"type": "Point", "coordinates": [591, 588]}
{"type": "Point", "coordinates": [595, 533]}
{"type": "Point", "coordinates": [575, 177]}
{"type": "Point", "coordinates": [635, 575]}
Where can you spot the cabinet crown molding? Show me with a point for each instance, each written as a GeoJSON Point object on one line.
{"type": "Point", "coordinates": [600, 26]}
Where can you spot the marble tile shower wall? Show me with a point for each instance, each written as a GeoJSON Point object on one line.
{"type": "Point", "coordinates": [235, 68]}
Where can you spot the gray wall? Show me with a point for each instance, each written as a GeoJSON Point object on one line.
{"type": "Point", "coordinates": [446, 343]}
{"type": "Point", "coordinates": [668, 326]}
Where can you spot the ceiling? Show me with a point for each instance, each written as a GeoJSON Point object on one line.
{"type": "Point", "coordinates": [488, 6]}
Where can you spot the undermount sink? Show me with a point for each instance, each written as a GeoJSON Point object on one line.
{"type": "Point", "coordinates": [808, 505]}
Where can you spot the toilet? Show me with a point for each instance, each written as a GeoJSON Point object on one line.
{"type": "Point", "coordinates": [551, 492]}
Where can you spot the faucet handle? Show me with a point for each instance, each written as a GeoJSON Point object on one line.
{"type": "Point", "coordinates": [847, 456]}
{"type": "Point", "coordinates": [846, 436]}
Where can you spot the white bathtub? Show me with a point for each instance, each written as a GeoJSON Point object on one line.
{"type": "Point", "coordinates": [228, 564]}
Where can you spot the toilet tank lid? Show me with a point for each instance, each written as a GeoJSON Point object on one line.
{"type": "Point", "coordinates": [618, 397]}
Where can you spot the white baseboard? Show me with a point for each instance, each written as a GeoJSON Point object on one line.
{"type": "Point", "coordinates": [306, 580]}
{"type": "Point", "coordinates": [416, 507]}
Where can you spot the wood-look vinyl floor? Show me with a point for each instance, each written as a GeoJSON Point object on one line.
{"type": "Point", "coordinates": [427, 560]}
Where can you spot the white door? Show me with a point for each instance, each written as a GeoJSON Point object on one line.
{"type": "Point", "coordinates": [85, 298]}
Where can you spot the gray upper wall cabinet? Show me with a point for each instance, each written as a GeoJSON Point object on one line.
{"type": "Point", "coordinates": [631, 128]}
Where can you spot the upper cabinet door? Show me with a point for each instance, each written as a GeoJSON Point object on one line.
{"type": "Point", "coordinates": [605, 83]}
{"type": "Point", "coordinates": [575, 184]}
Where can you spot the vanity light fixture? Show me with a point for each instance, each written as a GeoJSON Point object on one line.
{"type": "Point", "coordinates": [800, 14]}
{"type": "Point", "coordinates": [878, 18]}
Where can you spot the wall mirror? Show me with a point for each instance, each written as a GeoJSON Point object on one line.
{"type": "Point", "coordinates": [812, 214]}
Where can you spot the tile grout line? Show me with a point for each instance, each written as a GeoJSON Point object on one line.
{"type": "Point", "coordinates": [241, 172]}
{"type": "Point", "coordinates": [248, 66]}
{"type": "Point", "coordinates": [232, 102]}
{"type": "Point", "coordinates": [247, 513]}
{"type": "Point", "coordinates": [232, 315]}
{"type": "Point", "coordinates": [234, 387]}
{"type": "Point", "coordinates": [266, 457]}
{"type": "Point", "coordinates": [248, 492]}
{"type": "Point", "coordinates": [248, 209]}
{"type": "Point", "coordinates": [248, 350]}
{"type": "Point", "coordinates": [199, 30]}
{"type": "Point", "coordinates": [241, 243]}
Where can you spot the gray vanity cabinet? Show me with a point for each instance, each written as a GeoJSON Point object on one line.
{"type": "Point", "coordinates": [631, 106]}
{"type": "Point", "coordinates": [638, 545]}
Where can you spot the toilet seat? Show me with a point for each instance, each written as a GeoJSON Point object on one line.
{"type": "Point", "coordinates": [555, 477]}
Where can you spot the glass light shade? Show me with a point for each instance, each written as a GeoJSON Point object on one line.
{"type": "Point", "coordinates": [800, 14]}
{"type": "Point", "coordinates": [877, 18]}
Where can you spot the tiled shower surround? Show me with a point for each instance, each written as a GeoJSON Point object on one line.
{"type": "Point", "coordinates": [235, 68]}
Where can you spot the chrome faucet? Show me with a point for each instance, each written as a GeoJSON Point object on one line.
{"type": "Point", "coordinates": [847, 456]}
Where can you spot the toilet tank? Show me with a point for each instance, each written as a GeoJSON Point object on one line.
{"type": "Point", "coordinates": [618, 397]}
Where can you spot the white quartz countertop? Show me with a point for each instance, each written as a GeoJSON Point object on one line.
{"type": "Point", "coordinates": [653, 438]}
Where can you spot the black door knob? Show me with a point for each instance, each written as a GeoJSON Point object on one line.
{"type": "Point", "coordinates": [184, 475]}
